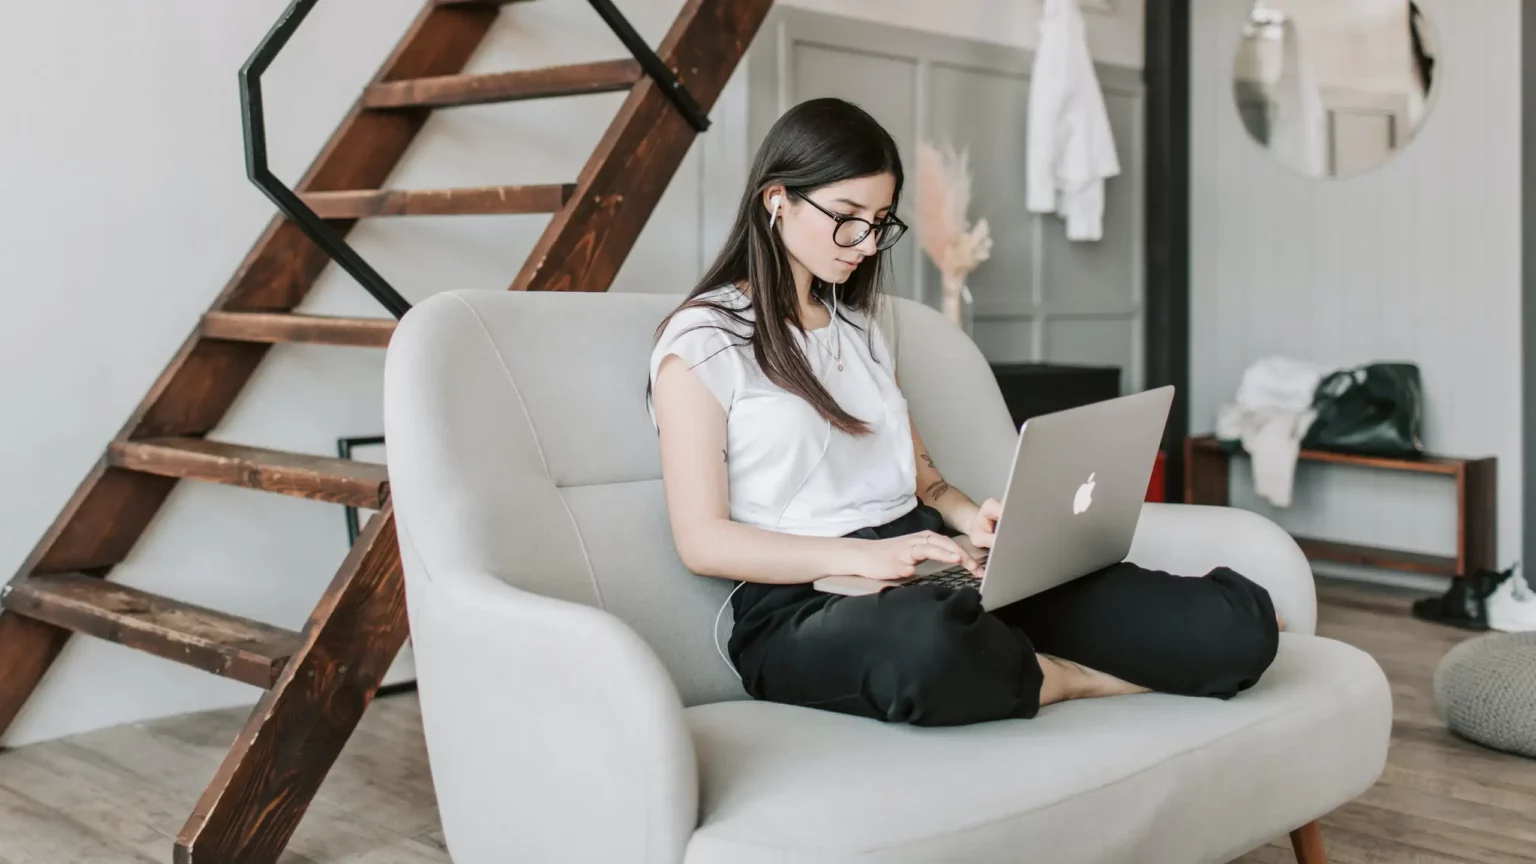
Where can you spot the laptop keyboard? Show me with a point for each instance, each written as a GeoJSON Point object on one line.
{"type": "Point", "coordinates": [955, 577]}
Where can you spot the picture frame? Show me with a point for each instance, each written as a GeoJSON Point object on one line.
{"type": "Point", "coordinates": [401, 675]}
{"type": "Point", "coordinates": [365, 448]}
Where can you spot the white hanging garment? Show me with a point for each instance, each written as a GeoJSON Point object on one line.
{"type": "Point", "coordinates": [1071, 149]}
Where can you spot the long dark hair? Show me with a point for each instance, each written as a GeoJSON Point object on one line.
{"type": "Point", "coordinates": [814, 144]}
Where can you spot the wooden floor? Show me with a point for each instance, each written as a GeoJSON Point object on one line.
{"type": "Point", "coordinates": [1441, 800]}
{"type": "Point", "coordinates": [119, 795]}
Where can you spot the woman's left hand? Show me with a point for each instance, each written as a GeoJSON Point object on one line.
{"type": "Point", "coordinates": [983, 528]}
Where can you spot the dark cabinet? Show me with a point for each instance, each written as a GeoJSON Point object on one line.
{"type": "Point", "coordinates": [1032, 389]}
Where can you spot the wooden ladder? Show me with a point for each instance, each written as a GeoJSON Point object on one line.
{"type": "Point", "coordinates": [319, 681]}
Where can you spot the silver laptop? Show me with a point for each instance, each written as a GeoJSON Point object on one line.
{"type": "Point", "coordinates": [1073, 499]}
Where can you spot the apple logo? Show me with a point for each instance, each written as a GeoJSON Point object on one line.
{"type": "Point", "coordinates": [1084, 497]}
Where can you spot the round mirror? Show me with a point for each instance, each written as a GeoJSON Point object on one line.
{"type": "Point", "coordinates": [1334, 87]}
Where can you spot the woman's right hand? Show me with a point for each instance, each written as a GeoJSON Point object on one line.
{"type": "Point", "coordinates": [898, 557]}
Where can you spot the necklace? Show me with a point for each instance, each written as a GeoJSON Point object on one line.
{"type": "Point", "coordinates": [837, 356]}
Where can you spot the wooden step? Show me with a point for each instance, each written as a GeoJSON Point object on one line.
{"type": "Point", "coordinates": [477, 2]}
{"type": "Point", "coordinates": [213, 641]}
{"type": "Point", "coordinates": [357, 203]}
{"type": "Point", "coordinates": [577, 79]}
{"type": "Point", "coordinates": [283, 327]}
{"type": "Point", "coordinates": [323, 478]}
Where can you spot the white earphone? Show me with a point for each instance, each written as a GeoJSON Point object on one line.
{"type": "Point", "coordinates": [716, 632]}
{"type": "Point", "coordinates": [775, 202]}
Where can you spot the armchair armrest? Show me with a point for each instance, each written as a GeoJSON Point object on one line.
{"type": "Point", "coordinates": [554, 732]}
{"type": "Point", "coordinates": [1191, 540]}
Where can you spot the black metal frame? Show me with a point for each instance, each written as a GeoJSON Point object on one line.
{"type": "Point", "coordinates": [1166, 77]}
{"type": "Point", "coordinates": [253, 119]}
{"type": "Point", "coordinates": [344, 450]}
{"type": "Point", "coordinates": [838, 219]}
{"type": "Point", "coordinates": [651, 63]}
{"type": "Point", "coordinates": [1527, 122]}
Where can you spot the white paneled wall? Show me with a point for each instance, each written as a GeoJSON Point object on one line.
{"type": "Point", "coordinates": [1417, 260]}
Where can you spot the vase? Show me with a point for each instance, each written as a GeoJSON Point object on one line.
{"type": "Point", "coordinates": [958, 305]}
{"type": "Point", "coordinates": [954, 303]}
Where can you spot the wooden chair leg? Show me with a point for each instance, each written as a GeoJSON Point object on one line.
{"type": "Point", "coordinates": [1308, 843]}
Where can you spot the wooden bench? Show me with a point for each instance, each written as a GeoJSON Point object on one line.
{"type": "Point", "coordinates": [1206, 475]}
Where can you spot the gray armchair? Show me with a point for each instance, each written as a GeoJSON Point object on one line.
{"type": "Point", "coordinates": [576, 709]}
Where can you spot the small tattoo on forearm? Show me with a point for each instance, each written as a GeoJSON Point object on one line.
{"type": "Point", "coordinates": [937, 490]}
{"type": "Point", "coordinates": [929, 460]}
{"type": "Point", "coordinates": [726, 454]}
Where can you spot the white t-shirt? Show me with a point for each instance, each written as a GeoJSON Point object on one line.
{"type": "Point", "coordinates": [790, 469]}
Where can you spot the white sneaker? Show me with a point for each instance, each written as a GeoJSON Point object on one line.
{"type": "Point", "coordinates": [1512, 605]}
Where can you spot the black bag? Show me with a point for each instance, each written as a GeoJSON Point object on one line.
{"type": "Point", "coordinates": [1375, 410]}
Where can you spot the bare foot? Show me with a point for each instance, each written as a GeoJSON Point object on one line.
{"type": "Point", "coordinates": [1067, 680]}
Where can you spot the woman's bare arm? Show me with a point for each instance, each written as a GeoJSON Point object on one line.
{"type": "Point", "coordinates": [957, 509]}
{"type": "Point", "coordinates": [979, 522]}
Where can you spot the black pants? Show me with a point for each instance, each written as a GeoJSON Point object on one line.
{"type": "Point", "coordinates": [933, 657]}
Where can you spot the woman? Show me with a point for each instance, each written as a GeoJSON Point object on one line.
{"type": "Point", "coordinates": [788, 454]}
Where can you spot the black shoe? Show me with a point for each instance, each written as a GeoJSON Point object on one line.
{"type": "Point", "coordinates": [1465, 603]}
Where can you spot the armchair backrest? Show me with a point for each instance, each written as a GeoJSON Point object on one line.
{"type": "Point", "coordinates": [520, 445]}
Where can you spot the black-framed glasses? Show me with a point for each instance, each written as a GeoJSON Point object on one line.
{"type": "Point", "coordinates": [851, 230]}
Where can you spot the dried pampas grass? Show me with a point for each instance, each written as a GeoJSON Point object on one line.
{"type": "Point", "coordinates": [955, 246]}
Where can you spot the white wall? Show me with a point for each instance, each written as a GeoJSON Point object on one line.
{"type": "Point", "coordinates": [1115, 27]}
{"type": "Point", "coordinates": [1417, 260]}
{"type": "Point", "coordinates": [127, 209]}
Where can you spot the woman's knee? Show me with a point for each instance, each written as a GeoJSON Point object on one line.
{"type": "Point", "coordinates": [943, 660]}
{"type": "Point", "coordinates": [926, 630]}
{"type": "Point", "coordinates": [1247, 638]}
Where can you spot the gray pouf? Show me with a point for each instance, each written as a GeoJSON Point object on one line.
{"type": "Point", "coordinates": [1486, 691]}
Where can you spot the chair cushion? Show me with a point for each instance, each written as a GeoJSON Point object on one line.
{"type": "Point", "coordinates": [1133, 778]}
